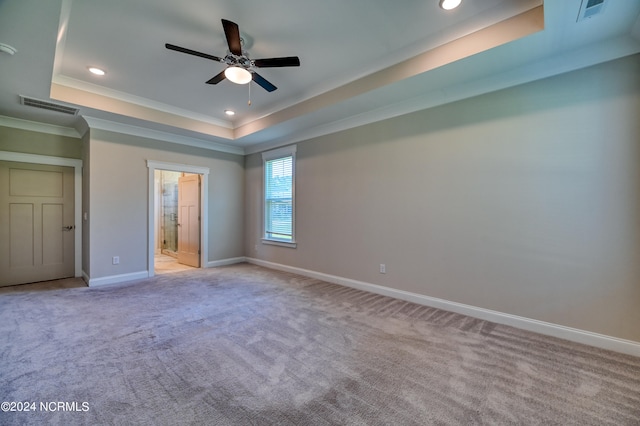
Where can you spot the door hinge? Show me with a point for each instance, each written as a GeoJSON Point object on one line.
{"type": "Point", "coordinates": [198, 251]}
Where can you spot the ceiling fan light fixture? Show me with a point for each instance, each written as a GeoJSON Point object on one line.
{"type": "Point", "coordinates": [237, 75]}
{"type": "Point", "coordinates": [449, 4]}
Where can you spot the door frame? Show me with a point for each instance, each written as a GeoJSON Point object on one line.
{"type": "Point", "coordinates": [20, 157]}
{"type": "Point", "coordinates": [153, 165]}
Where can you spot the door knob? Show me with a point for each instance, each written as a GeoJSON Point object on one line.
{"type": "Point", "coordinates": [68, 228]}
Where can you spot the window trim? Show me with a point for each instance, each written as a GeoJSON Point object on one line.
{"type": "Point", "coordinates": [287, 151]}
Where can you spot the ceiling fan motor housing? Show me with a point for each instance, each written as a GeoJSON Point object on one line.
{"type": "Point", "coordinates": [241, 61]}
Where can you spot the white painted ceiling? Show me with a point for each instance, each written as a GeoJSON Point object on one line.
{"type": "Point", "coordinates": [355, 55]}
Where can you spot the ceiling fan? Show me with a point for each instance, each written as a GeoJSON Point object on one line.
{"type": "Point", "coordinates": [240, 69]}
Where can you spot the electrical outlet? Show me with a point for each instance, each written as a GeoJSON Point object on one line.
{"type": "Point", "coordinates": [383, 268]}
{"type": "Point", "coordinates": [116, 260]}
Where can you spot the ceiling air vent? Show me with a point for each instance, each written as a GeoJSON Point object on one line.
{"type": "Point", "coordinates": [591, 8]}
{"type": "Point", "coordinates": [38, 103]}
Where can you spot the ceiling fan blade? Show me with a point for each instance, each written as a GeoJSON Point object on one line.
{"type": "Point", "coordinates": [232, 33]}
{"type": "Point", "coordinates": [263, 83]}
{"type": "Point", "coordinates": [289, 61]}
{"type": "Point", "coordinates": [191, 52]}
{"type": "Point", "coordinates": [217, 78]}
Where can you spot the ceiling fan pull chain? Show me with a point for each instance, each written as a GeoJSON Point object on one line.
{"type": "Point", "coordinates": [249, 94]}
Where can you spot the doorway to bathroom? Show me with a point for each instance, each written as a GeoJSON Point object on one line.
{"type": "Point", "coordinates": [177, 221]}
{"type": "Point", "coordinates": [197, 237]}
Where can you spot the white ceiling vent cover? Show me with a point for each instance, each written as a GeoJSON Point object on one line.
{"type": "Point", "coordinates": [591, 8]}
{"type": "Point", "coordinates": [39, 103]}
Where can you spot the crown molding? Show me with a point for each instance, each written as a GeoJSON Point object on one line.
{"type": "Point", "coordinates": [34, 126]}
{"type": "Point", "coordinates": [127, 129]}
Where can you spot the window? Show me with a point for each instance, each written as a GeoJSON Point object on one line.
{"type": "Point", "coordinates": [279, 196]}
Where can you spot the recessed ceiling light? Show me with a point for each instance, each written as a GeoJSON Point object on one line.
{"type": "Point", "coordinates": [229, 112]}
{"type": "Point", "coordinates": [449, 4]}
{"type": "Point", "coordinates": [96, 71]}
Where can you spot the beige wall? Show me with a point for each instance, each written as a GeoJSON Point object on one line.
{"type": "Point", "coordinates": [524, 201]}
{"type": "Point", "coordinates": [30, 142]}
{"type": "Point", "coordinates": [119, 199]}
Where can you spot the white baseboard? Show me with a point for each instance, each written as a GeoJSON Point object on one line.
{"type": "Point", "coordinates": [225, 262]}
{"type": "Point", "coordinates": [572, 334]}
{"type": "Point", "coordinates": [114, 279]}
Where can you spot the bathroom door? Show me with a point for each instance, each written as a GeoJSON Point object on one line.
{"type": "Point", "coordinates": [36, 223]}
{"type": "Point", "coordinates": [189, 220]}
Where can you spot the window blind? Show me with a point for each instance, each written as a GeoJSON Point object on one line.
{"type": "Point", "coordinates": [279, 199]}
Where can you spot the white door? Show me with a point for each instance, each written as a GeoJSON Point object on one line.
{"type": "Point", "coordinates": [189, 220]}
{"type": "Point", "coordinates": [36, 222]}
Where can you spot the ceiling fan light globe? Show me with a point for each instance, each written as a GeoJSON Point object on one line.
{"type": "Point", "coordinates": [237, 75]}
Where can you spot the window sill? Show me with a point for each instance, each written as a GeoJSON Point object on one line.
{"type": "Point", "coordinates": [279, 243]}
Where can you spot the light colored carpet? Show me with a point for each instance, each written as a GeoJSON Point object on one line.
{"type": "Point", "coordinates": [244, 345]}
